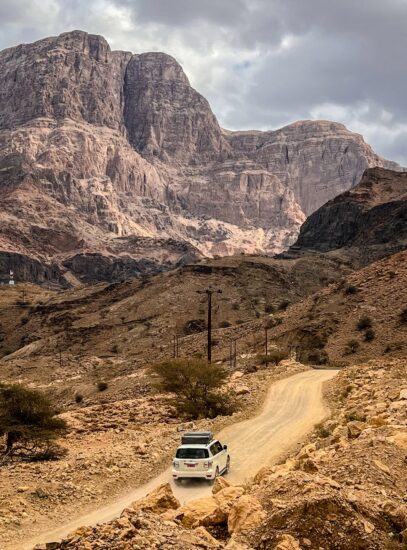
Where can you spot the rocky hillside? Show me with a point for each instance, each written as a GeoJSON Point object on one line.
{"type": "Point", "coordinates": [368, 221]}
{"type": "Point", "coordinates": [112, 330]}
{"type": "Point", "coordinates": [361, 318]}
{"type": "Point", "coordinates": [99, 147]}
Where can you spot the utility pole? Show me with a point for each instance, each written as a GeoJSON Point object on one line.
{"type": "Point", "coordinates": [176, 346]}
{"type": "Point", "coordinates": [233, 353]}
{"type": "Point", "coordinates": [266, 344]}
{"type": "Point", "coordinates": [209, 291]}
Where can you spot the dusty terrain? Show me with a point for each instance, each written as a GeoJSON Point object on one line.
{"type": "Point", "coordinates": [104, 152]}
{"type": "Point", "coordinates": [345, 489]}
{"type": "Point", "coordinates": [112, 447]}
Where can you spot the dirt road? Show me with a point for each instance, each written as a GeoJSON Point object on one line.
{"type": "Point", "coordinates": [292, 407]}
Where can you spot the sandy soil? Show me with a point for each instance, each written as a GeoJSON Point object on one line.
{"type": "Point", "coordinates": [293, 405]}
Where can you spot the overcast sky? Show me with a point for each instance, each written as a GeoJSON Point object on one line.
{"type": "Point", "coordinates": [261, 63]}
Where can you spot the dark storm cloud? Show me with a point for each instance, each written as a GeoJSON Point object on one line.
{"type": "Point", "coordinates": [261, 63]}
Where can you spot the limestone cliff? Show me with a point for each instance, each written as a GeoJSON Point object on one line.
{"type": "Point", "coordinates": [97, 146]}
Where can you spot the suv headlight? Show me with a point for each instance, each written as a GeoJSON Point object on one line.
{"type": "Point", "coordinates": [175, 463]}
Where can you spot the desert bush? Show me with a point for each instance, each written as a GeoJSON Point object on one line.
{"type": "Point", "coordinates": [78, 398]}
{"type": "Point", "coordinates": [240, 321]}
{"type": "Point", "coordinates": [114, 349]}
{"type": "Point", "coordinates": [351, 289]}
{"type": "Point", "coordinates": [353, 415]}
{"type": "Point", "coordinates": [224, 324]}
{"type": "Point", "coordinates": [28, 424]}
{"type": "Point", "coordinates": [273, 356]}
{"type": "Point", "coordinates": [269, 308]}
{"type": "Point", "coordinates": [364, 323]}
{"type": "Point", "coordinates": [352, 346]}
{"type": "Point", "coordinates": [196, 386]}
{"type": "Point", "coordinates": [24, 320]}
{"type": "Point", "coordinates": [194, 326]}
{"type": "Point", "coordinates": [102, 386]}
{"type": "Point", "coordinates": [403, 317]}
{"type": "Point", "coordinates": [284, 305]}
{"type": "Point", "coordinates": [322, 431]}
{"type": "Point", "coordinates": [235, 306]}
{"type": "Point", "coordinates": [369, 335]}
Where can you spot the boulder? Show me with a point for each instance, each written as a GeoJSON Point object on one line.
{"type": "Point", "coordinates": [242, 390]}
{"type": "Point", "coordinates": [158, 501]}
{"type": "Point", "coordinates": [245, 513]}
{"type": "Point", "coordinates": [403, 394]}
{"type": "Point", "coordinates": [219, 484]}
{"type": "Point", "coordinates": [355, 428]}
{"type": "Point", "coordinates": [287, 542]}
{"type": "Point", "coordinates": [227, 497]}
{"type": "Point", "coordinates": [204, 511]}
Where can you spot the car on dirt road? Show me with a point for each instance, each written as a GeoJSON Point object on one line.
{"type": "Point", "coordinates": [200, 456]}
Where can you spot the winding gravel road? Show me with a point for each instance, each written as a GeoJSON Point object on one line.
{"type": "Point", "coordinates": [292, 407]}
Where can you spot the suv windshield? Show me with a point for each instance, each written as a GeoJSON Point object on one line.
{"type": "Point", "coordinates": [192, 453]}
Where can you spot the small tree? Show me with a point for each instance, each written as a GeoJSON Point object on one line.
{"type": "Point", "coordinates": [29, 424]}
{"type": "Point", "coordinates": [196, 385]}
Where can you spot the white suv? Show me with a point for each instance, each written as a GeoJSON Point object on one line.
{"type": "Point", "coordinates": [200, 456]}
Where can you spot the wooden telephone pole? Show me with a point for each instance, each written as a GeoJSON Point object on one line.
{"type": "Point", "coordinates": [209, 291]}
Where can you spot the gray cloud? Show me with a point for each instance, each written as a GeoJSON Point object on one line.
{"type": "Point", "coordinates": [261, 63]}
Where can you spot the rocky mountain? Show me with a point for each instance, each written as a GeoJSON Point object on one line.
{"type": "Point", "coordinates": [368, 221]}
{"type": "Point", "coordinates": [101, 148]}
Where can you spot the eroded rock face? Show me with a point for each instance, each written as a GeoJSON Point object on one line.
{"type": "Point", "coordinates": [97, 144]}
{"type": "Point", "coordinates": [372, 214]}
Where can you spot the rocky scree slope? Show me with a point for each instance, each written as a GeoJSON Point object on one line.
{"type": "Point", "coordinates": [99, 147]}
{"type": "Point", "coordinates": [360, 318]}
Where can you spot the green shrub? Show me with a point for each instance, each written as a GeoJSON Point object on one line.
{"type": "Point", "coordinates": [321, 431]}
{"type": "Point", "coordinates": [196, 386]}
{"type": "Point", "coordinates": [29, 424]}
{"type": "Point", "coordinates": [369, 335]}
{"type": "Point", "coordinates": [102, 386]}
{"type": "Point", "coordinates": [352, 346]}
{"type": "Point", "coordinates": [363, 323]}
{"type": "Point", "coordinates": [353, 415]}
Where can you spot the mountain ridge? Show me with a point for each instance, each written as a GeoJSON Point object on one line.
{"type": "Point", "coordinates": [140, 153]}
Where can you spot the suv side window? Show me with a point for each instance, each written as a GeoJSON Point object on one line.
{"type": "Point", "coordinates": [220, 446]}
{"type": "Point", "coordinates": [214, 449]}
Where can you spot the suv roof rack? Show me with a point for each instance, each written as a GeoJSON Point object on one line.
{"type": "Point", "coordinates": [196, 438]}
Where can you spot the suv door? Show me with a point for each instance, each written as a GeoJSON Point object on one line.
{"type": "Point", "coordinates": [219, 456]}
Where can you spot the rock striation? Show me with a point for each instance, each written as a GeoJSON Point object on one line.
{"type": "Point", "coordinates": [98, 147]}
